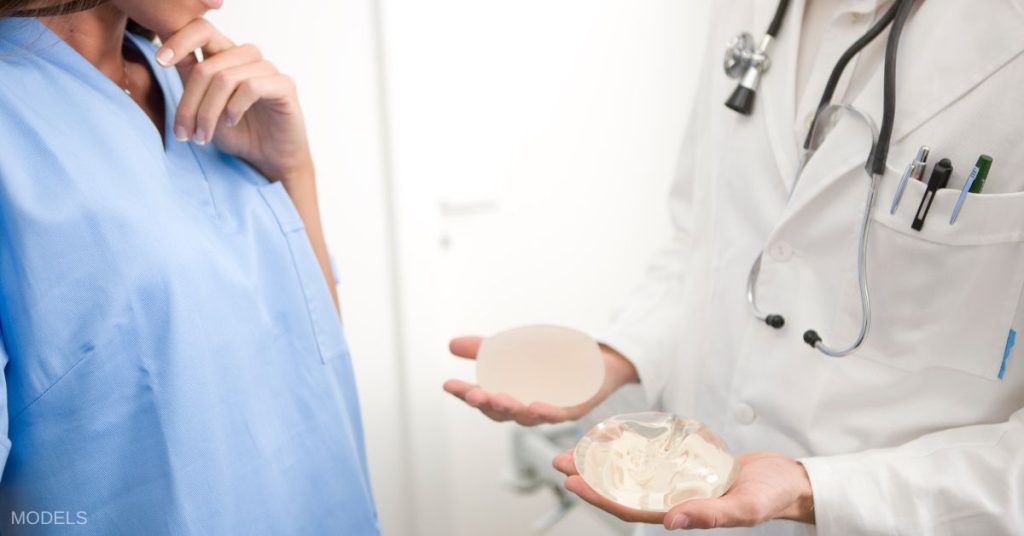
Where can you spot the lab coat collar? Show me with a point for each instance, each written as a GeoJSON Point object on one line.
{"type": "Point", "coordinates": [947, 49]}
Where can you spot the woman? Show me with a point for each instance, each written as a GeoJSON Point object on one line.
{"type": "Point", "coordinates": [174, 358]}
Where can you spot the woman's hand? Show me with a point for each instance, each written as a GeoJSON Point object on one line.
{"type": "Point", "coordinates": [501, 407]}
{"type": "Point", "coordinates": [238, 100]}
{"type": "Point", "coordinates": [769, 486]}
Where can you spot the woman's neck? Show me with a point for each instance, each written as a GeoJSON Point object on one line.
{"type": "Point", "coordinates": [97, 34]}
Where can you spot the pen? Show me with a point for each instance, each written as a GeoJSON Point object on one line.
{"type": "Point", "coordinates": [914, 169]}
{"type": "Point", "coordinates": [938, 180]}
{"type": "Point", "coordinates": [975, 182]}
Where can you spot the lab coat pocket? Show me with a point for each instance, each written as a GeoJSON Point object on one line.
{"type": "Point", "coordinates": [945, 296]}
{"type": "Point", "coordinates": [323, 316]}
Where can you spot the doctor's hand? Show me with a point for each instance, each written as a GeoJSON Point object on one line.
{"type": "Point", "coordinates": [238, 100]}
{"type": "Point", "coordinates": [501, 407]}
{"type": "Point", "coordinates": [770, 486]}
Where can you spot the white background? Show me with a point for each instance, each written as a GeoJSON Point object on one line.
{"type": "Point", "coordinates": [482, 164]}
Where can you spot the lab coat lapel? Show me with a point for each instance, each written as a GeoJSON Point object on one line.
{"type": "Point", "coordinates": [947, 49]}
{"type": "Point", "coordinates": [778, 87]}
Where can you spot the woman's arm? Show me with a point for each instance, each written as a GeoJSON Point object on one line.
{"type": "Point", "coordinates": [238, 100]}
{"type": "Point", "coordinates": [302, 189]}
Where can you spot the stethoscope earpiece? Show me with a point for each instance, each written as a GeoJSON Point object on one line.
{"type": "Point", "coordinates": [775, 321]}
{"type": "Point", "coordinates": [812, 338]}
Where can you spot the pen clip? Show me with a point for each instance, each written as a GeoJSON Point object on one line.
{"type": "Point", "coordinates": [914, 170]}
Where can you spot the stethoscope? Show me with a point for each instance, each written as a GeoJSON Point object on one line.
{"type": "Point", "coordinates": [747, 63]}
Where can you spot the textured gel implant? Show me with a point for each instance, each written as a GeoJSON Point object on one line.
{"type": "Point", "coordinates": [654, 461]}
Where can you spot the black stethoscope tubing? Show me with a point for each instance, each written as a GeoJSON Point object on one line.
{"type": "Point", "coordinates": [896, 17]}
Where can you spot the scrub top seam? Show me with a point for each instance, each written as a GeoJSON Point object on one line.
{"type": "Point", "coordinates": [39, 397]}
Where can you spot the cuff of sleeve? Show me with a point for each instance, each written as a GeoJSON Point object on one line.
{"type": "Point", "coordinates": [650, 367]}
{"type": "Point", "coordinates": [844, 501]}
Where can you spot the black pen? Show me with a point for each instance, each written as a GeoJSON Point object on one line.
{"type": "Point", "coordinates": [938, 180]}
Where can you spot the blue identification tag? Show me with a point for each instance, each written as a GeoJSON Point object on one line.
{"type": "Point", "coordinates": [1011, 339]}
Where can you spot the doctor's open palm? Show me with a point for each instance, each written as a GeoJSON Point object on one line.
{"type": "Point", "coordinates": [502, 407]}
{"type": "Point", "coordinates": [238, 100]}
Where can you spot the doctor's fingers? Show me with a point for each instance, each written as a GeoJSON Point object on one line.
{"type": "Point", "coordinates": [565, 463]}
{"type": "Point", "coordinates": [576, 485]}
{"type": "Point", "coordinates": [474, 397]}
{"type": "Point", "coordinates": [202, 78]}
{"type": "Point", "coordinates": [555, 414]}
{"type": "Point", "coordinates": [499, 407]}
{"type": "Point", "coordinates": [222, 89]}
{"type": "Point", "coordinates": [466, 347]}
{"type": "Point", "coordinates": [727, 511]}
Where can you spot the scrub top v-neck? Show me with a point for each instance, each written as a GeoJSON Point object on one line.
{"type": "Point", "coordinates": [173, 363]}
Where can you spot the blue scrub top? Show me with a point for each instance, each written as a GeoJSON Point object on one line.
{"type": "Point", "coordinates": [174, 362]}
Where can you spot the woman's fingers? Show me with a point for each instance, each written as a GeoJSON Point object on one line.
{"type": "Point", "coordinates": [199, 83]}
{"type": "Point", "coordinates": [179, 49]}
{"type": "Point", "coordinates": [576, 485]}
{"type": "Point", "coordinates": [252, 90]}
{"type": "Point", "coordinates": [223, 86]}
{"type": "Point", "coordinates": [198, 34]}
{"type": "Point", "coordinates": [466, 347]}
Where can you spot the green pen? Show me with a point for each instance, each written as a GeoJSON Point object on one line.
{"type": "Point", "coordinates": [975, 182]}
{"type": "Point", "coordinates": [983, 165]}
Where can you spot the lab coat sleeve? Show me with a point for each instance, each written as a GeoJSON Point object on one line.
{"type": "Point", "coordinates": [645, 328]}
{"type": "Point", "coordinates": [960, 481]}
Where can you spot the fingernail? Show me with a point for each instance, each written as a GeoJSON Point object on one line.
{"type": "Point", "coordinates": [200, 137]}
{"type": "Point", "coordinates": [679, 522]}
{"type": "Point", "coordinates": [229, 121]}
{"type": "Point", "coordinates": [180, 134]}
{"type": "Point", "coordinates": [164, 56]}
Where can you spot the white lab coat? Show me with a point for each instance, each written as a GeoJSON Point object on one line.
{"type": "Point", "coordinates": [915, 433]}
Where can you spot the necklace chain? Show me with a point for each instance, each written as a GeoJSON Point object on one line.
{"type": "Point", "coordinates": [125, 86]}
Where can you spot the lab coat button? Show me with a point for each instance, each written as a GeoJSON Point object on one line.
{"type": "Point", "coordinates": [781, 251]}
{"type": "Point", "coordinates": [744, 414]}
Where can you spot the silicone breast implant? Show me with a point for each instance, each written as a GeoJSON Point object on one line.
{"type": "Point", "coordinates": [654, 461]}
{"type": "Point", "coordinates": [551, 364]}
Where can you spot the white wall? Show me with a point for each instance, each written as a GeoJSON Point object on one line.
{"type": "Point", "coordinates": [548, 128]}
{"type": "Point", "coordinates": [533, 142]}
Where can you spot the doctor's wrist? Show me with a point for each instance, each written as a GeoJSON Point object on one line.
{"type": "Point", "coordinates": [619, 370]}
{"type": "Point", "coordinates": [802, 507]}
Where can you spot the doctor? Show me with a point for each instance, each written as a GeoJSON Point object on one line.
{"type": "Point", "coordinates": [920, 429]}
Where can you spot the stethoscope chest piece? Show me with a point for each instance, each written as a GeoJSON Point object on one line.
{"type": "Point", "coordinates": [746, 62]}
{"type": "Point", "coordinates": [739, 55]}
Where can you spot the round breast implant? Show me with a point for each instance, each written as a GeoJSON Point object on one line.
{"type": "Point", "coordinates": [654, 461]}
{"type": "Point", "coordinates": [551, 364]}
